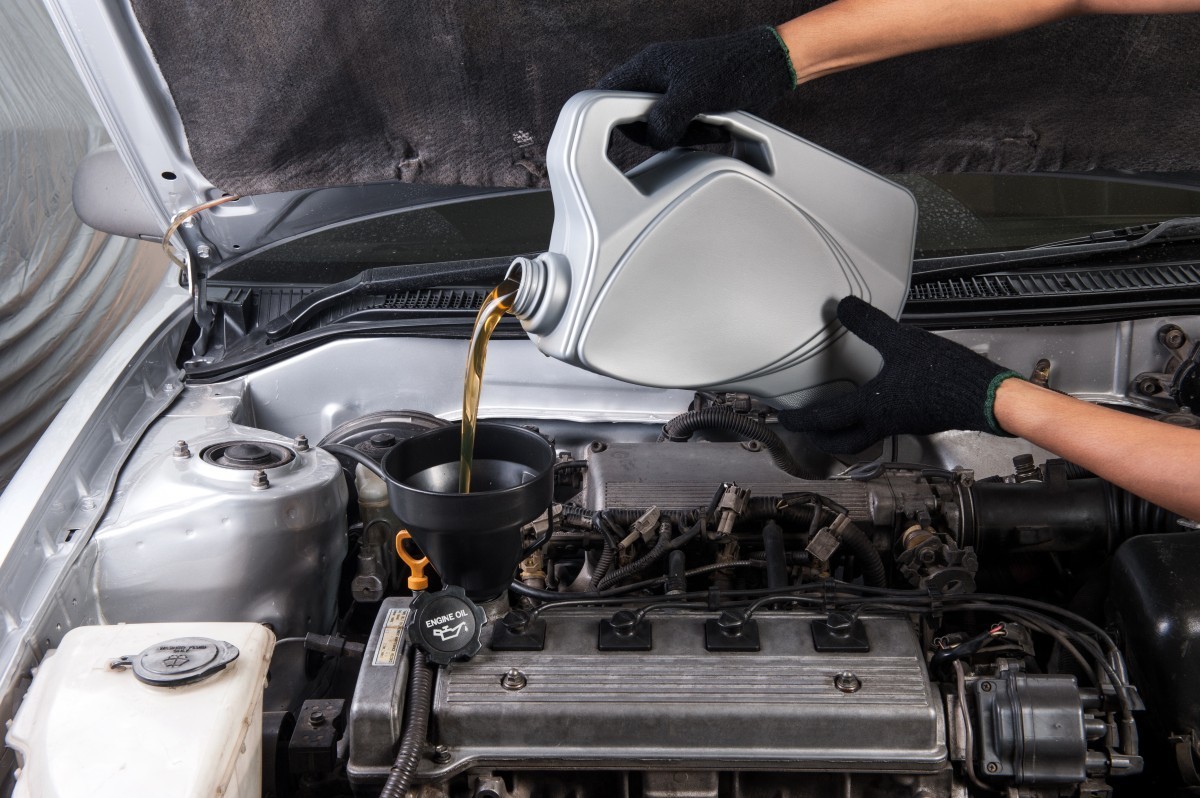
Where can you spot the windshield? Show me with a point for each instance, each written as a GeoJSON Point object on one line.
{"type": "Point", "coordinates": [968, 213]}
{"type": "Point", "coordinates": [959, 214]}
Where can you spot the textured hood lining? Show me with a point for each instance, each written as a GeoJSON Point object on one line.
{"type": "Point", "coordinates": [286, 94]}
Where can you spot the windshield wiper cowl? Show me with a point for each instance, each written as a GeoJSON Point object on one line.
{"type": "Point", "coordinates": [1067, 251]}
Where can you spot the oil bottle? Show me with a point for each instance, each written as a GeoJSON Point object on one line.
{"type": "Point", "coordinates": [717, 271]}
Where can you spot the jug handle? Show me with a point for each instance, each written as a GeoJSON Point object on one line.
{"type": "Point", "coordinates": [588, 119]}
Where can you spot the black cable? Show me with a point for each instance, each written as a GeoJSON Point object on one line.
{"type": "Point", "coordinates": [869, 561]}
{"type": "Point", "coordinates": [601, 523]}
{"type": "Point", "coordinates": [656, 553]}
{"type": "Point", "coordinates": [684, 425]}
{"type": "Point", "coordinates": [416, 727]}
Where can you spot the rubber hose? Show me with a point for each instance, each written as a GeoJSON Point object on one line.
{"type": "Point", "coordinates": [868, 558]}
{"type": "Point", "coordinates": [656, 553]}
{"type": "Point", "coordinates": [684, 425]}
{"type": "Point", "coordinates": [676, 572]}
{"type": "Point", "coordinates": [416, 726]}
{"type": "Point", "coordinates": [772, 536]}
{"type": "Point", "coordinates": [602, 565]}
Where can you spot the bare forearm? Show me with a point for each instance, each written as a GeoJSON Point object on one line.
{"type": "Point", "coordinates": [850, 33]}
{"type": "Point", "coordinates": [1156, 461]}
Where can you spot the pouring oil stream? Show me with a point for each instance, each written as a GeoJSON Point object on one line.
{"type": "Point", "coordinates": [495, 305]}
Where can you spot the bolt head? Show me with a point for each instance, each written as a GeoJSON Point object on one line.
{"type": "Point", "coordinates": [259, 481]}
{"type": "Point", "coordinates": [847, 682]}
{"type": "Point", "coordinates": [1171, 336]}
{"type": "Point", "coordinates": [301, 443]}
{"type": "Point", "coordinates": [513, 680]}
{"type": "Point", "coordinates": [985, 687]}
{"type": "Point", "coordinates": [1147, 387]}
{"type": "Point", "coordinates": [181, 450]}
{"type": "Point", "coordinates": [317, 717]}
{"type": "Point", "coordinates": [992, 767]}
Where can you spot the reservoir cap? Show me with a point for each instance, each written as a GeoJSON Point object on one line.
{"type": "Point", "coordinates": [446, 625]}
{"type": "Point", "coordinates": [183, 660]}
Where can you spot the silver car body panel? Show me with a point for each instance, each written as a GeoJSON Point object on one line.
{"type": "Point", "coordinates": [60, 495]}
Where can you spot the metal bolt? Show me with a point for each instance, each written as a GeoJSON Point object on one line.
{"type": "Point", "coordinates": [316, 717]}
{"type": "Point", "coordinates": [1148, 386]}
{"type": "Point", "coordinates": [182, 452]}
{"type": "Point", "coordinates": [847, 682]}
{"type": "Point", "coordinates": [301, 443]}
{"type": "Point", "coordinates": [1041, 373]}
{"type": "Point", "coordinates": [513, 680]}
{"type": "Point", "coordinates": [259, 481]}
{"type": "Point", "coordinates": [1172, 337]}
{"type": "Point", "coordinates": [203, 251]}
{"type": "Point", "coordinates": [985, 687]}
{"type": "Point", "coordinates": [991, 767]}
{"type": "Point", "coordinates": [441, 754]}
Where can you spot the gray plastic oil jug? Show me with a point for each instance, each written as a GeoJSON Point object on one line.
{"type": "Point", "coordinates": [716, 272]}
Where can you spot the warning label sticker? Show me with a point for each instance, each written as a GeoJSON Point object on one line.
{"type": "Point", "coordinates": [388, 650]}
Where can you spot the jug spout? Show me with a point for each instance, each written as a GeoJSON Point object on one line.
{"type": "Point", "coordinates": [545, 282]}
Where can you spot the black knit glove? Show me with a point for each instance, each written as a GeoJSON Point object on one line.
{"type": "Point", "coordinates": [744, 71]}
{"type": "Point", "coordinates": [927, 384]}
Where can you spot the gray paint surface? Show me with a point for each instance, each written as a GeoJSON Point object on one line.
{"type": "Point", "coordinates": [66, 291]}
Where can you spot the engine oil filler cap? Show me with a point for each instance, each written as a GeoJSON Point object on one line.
{"type": "Point", "coordinates": [180, 661]}
{"type": "Point", "coordinates": [446, 625]}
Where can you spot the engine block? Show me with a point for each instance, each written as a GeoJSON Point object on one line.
{"type": "Point", "coordinates": [679, 706]}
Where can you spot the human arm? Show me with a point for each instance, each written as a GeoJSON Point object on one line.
{"type": "Point", "coordinates": [751, 69]}
{"type": "Point", "coordinates": [929, 384]}
{"type": "Point", "coordinates": [850, 33]}
{"type": "Point", "coordinates": [1159, 462]}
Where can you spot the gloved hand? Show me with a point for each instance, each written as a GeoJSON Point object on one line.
{"type": "Point", "coordinates": [748, 70]}
{"type": "Point", "coordinates": [927, 384]}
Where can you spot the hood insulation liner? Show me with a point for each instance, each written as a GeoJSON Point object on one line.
{"type": "Point", "coordinates": [287, 94]}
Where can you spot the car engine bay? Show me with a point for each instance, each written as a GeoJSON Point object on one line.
{"type": "Point", "coordinates": [708, 606]}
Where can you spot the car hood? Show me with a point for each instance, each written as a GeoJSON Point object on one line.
{"type": "Point", "coordinates": [272, 100]}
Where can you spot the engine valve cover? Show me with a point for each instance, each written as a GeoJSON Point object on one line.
{"type": "Point", "coordinates": [783, 707]}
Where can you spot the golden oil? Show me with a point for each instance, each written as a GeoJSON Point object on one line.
{"type": "Point", "coordinates": [495, 305]}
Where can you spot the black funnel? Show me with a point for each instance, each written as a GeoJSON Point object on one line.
{"type": "Point", "coordinates": [473, 540]}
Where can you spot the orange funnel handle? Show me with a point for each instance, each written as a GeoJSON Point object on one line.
{"type": "Point", "coordinates": [417, 579]}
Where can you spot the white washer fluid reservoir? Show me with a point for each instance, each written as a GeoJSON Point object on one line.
{"type": "Point", "coordinates": [703, 270]}
{"type": "Point", "coordinates": [146, 709]}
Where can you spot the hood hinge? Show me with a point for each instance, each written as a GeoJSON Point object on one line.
{"type": "Point", "coordinates": [198, 260]}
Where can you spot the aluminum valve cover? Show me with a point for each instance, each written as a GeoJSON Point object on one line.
{"type": "Point", "coordinates": [680, 704]}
